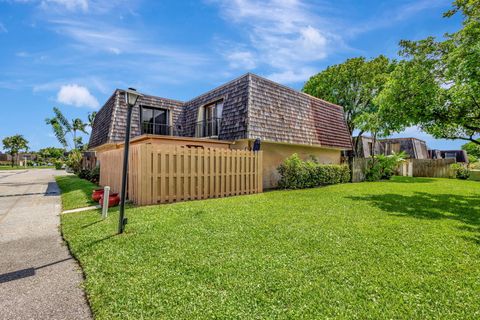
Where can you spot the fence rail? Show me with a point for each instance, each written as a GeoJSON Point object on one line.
{"type": "Point", "coordinates": [161, 174]}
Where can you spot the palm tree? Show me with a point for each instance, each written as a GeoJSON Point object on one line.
{"type": "Point", "coordinates": [61, 127]}
{"type": "Point", "coordinates": [91, 118]}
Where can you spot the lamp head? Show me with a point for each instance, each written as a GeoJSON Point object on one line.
{"type": "Point", "coordinates": [131, 96]}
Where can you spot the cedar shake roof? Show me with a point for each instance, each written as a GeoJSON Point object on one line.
{"type": "Point", "coordinates": [253, 107]}
{"type": "Point", "coordinates": [280, 114]}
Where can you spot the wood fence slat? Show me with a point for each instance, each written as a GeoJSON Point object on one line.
{"type": "Point", "coordinates": [160, 173]}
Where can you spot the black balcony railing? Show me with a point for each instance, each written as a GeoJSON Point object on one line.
{"type": "Point", "coordinates": [209, 128]}
{"type": "Point", "coordinates": [160, 129]}
{"type": "Point", "coordinates": [200, 129]}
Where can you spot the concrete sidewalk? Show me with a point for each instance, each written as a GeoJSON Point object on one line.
{"type": "Point", "coordinates": [38, 277]}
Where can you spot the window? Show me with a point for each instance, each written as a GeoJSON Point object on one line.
{"type": "Point", "coordinates": [155, 121]}
{"type": "Point", "coordinates": [210, 117]}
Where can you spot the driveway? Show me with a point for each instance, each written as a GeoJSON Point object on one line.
{"type": "Point", "coordinates": [38, 277]}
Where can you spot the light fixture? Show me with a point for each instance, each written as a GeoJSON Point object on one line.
{"type": "Point", "coordinates": [131, 97]}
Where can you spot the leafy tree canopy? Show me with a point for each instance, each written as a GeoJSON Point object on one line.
{"type": "Point", "coordinates": [51, 153]}
{"type": "Point", "coordinates": [437, 86]}
{"type": "Point", "coordinates": [473, 149]}
{"type": "Point", "coordinates": [353, 85]}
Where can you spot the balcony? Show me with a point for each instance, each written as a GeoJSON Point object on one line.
{"type": "Point", "coordinates": [200, 129]}
{"type": "Point", "coordinates": [160, 129]}
{"type": "Point", "coordinates": [209, 128]}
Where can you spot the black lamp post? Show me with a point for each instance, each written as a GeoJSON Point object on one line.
{"type": "Point", "coordinates": [131, 97]}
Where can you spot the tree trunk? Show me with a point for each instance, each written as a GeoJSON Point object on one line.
{"type": "Point", "coordinates": [355, 147]}
{"type": "Point", "coordinates": [75, 139]}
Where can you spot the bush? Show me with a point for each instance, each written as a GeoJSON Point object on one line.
{"type": "Point", "coordinates": [74, 161]}
{"type": "Point", "coordinates": [384, 167]}
{"type": "Point", "coordinates": [460, 172]}
{"type": "Point", "coordinates": [92, 175]}
{"type": "Point", "coordinates": [298, 174]}
{"type": "Point", "coordinates": [58, 164]}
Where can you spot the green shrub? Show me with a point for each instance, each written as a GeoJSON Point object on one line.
{"type": "Point", "coordinates": [460, 172]}
{"type": "Point", "coordinates": [58, 164]}
{"type": "Point", "coordinates": [384, 167]}
{"type": "Point", "coordinates": [298, 174]}
{"type": "Point", "coordinates": [92, 175]}
{"type": "Point", "coordinates": [74, 161]}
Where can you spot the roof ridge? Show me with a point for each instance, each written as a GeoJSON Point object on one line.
{"type": "Point", "coordinates": [153, 96]}
{"type": "Point", "coordinates": [218, 87]}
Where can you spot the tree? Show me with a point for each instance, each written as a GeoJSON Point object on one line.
{"type": "Point", "coordinates": [91, 118]}
{"type": "Point", "coordinates": [437, 86]}
{"type": "Point", "coordinates": [50, 154]}
{"type": "Point", "coordinates": [61, 127]}
{"type": "Point", "coordinates": [14, 144]}
{"type": "Point", "coordinates": [473, 151]}
{"type": "Point", "coordinates": [353, 85]}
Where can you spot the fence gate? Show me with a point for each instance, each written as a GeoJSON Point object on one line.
{"type": "Point", "coordinates": [163, 173]}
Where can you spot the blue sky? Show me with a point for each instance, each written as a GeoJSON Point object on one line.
{"type": "Point", "coordinates": [74, 53]}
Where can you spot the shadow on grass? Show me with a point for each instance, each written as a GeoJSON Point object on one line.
{"type": "Point", "coordinates": [399, 179]}
{"type": "Point", "coordinates": [421, 205]}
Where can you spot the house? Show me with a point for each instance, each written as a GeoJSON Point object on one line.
{"type": "Point", "coordinates": [413, 147]}
{"type": "Point", "coordinates": [233, 115]}
{"type": "Point", "coordinates": [6, 158]}
{"type": "Point", "coordinates": [458, 155]}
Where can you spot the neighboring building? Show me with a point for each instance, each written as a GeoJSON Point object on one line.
{"type": "Point", "coordinates": [458, 155]}
{"type": "Point", "coordinates": [413, 147]}
{"type": "Point", "coordinates": [250, 107]}
{"type": "Point", "coordinates": [5, 157]}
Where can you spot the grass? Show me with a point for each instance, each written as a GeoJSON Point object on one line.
{"type": "Point", "coordinates": [475, 175]}
{"type": "Point", "coordinates": [4, 168]}
{"type": "Point", "coordinates": [406, 248]}
{"type": "Point", "coordinates": [76, 192]}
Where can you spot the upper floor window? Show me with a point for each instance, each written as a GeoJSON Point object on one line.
{"type": "Point", "coordinates": [210, 117]}
{"type": "Point", "coordinates": [155, 121]}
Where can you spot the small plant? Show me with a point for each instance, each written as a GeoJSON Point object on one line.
{"type": "Point", "coordinates": [92, 175]}
{"type": "Point", "coordinates": [460, 172]}
{"type": "Point", "coordinates": [58, 164]}
{"type": "Point", "coordinates": [384, 167]}
{"type": "Point", "coordinates": [298, 174]}
{"type": "Point", "coordinates": [74, 161]}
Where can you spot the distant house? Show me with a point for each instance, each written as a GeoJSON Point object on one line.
{"type": "Point", "coordinates": [239, 112]}
{"type": "Point", "coordinates": [458, 155]}
{"type": "Point", "coordinates": [413, 147]}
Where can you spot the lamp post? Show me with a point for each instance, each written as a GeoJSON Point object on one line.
{"type": "Point", "coordinates": [131, 97]}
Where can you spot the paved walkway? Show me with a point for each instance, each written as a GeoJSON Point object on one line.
{"type": "Point", "coordinates": [38, 277]}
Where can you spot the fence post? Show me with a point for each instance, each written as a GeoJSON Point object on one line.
{"type": "Point", "coordinates": [106, 195]}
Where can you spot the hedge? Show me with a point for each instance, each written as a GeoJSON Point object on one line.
{"type": "Point", "coordinates": [298, 174]}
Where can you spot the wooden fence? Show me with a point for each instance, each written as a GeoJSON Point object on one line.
{"type": "Point", "coordinates": [161, 173]}
{"type": "Point", "coordinates": [435, 168]}
{"type": "Point", "coordinates": [358, 168]}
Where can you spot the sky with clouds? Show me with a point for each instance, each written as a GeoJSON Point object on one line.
{"type": "Point", "coordinates": [74, 53]}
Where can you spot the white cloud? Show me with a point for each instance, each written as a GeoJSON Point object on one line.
{"type": "Point", "coordinates": [241, 59]}
{"type": "Point", "coordinates": [3, 29]}
{"type": "Point", "coordinates": [70, 5]}
{"type": "Point", "coordinates": [116, 40]}
{"type": "Point", "coordinates": [78, 96]}
{"type": "Point", "coordinates": [284, 35]}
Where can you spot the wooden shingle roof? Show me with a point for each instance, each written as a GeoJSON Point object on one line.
{"type": "Point", "coordinates": [254, 107]}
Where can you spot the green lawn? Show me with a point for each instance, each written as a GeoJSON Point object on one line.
{"type": "Point", "coordinates": [404, 249]}
{"type": "Point", "coordinates": [475, 175]}
{"type": "Point", "coordinates": [3, 168]}
{"type": "Point", "coordinates": [76, 192]}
